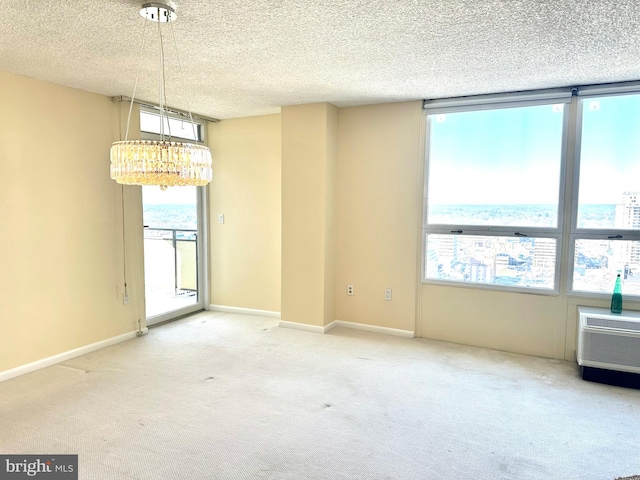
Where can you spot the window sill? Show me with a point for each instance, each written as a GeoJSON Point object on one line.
{"type": "Point", "coordinates": [494, 288]}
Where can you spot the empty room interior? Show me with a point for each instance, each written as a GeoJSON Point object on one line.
{"type": "Point", "coordinates": [414, 254]}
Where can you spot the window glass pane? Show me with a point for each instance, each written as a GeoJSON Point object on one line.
{"type": "Point", "coordinates": [609, 188]}
{"type": "Point", "coordinates": [496, 167]}
{"type": "Point", "coordinates": [174, 208]}
{"type": "Point", "coordinates": [174, 127]}
{"type": "Point", "coordinates": [505, 261]}
{"type": "Point", "coordinates": [597, 262]}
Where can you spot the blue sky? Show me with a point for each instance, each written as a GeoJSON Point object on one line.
{"type": "Point", "coordinates": [610, 154]}
{"type": "Point", "coordinates": [504, 156]}
{"type": "Point", "coordinates": [512, 155]}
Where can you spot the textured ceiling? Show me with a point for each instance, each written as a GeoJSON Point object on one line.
{"type": "Point", "coordinates": [250, 57]}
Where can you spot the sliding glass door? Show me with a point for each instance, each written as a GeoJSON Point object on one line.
{"type": "Point", "coordinates": [173, 252]}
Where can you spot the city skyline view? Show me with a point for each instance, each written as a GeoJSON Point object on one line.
{"type": "Point", "coordinates": [530, 261]}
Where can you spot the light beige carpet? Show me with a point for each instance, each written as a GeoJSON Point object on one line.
{"type": "Point", "coordinates": [223, 396]}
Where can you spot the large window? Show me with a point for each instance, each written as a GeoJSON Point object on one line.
{"type": "Point", "coordinates": [494, 191]}
{"type": "Point", "coordinates": [606, 231]}
{"type": "Point", "coordinates": [494, 196]}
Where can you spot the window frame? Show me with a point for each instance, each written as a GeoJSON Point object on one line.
{"type": "Point", "coordinates": [586, 94]}
{"type": "Point", "coordinates": [495, 102]}
{"type": "Point", "coordinates": [200, 128]}
{"type": "Point", "coordinates": [490, 286]}
{"type": "Point", "coordinates": [202, 212]}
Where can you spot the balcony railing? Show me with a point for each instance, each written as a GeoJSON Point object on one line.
{"type": "Point", "coordinates": [171, 269]}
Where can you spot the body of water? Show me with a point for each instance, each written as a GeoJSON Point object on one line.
{"type": "Point", "coordinates": [181, 217]}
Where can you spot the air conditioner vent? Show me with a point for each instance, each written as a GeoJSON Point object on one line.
{"type": "Point", "coordinates": [615, 323]}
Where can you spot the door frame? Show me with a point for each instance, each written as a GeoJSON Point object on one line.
{"type": "Point", "coordinates": [202, 265]}
{"type": "Point", "coordinates": [202, 205]}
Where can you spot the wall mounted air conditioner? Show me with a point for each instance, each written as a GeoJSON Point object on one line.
{"type": "Point", "coordinates": [608, 341]}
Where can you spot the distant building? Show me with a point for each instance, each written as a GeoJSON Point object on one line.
{"type": "Point", "coordinates": [544, 252]}
{"type": "Point", "coordinates": [432, 264]}
{"type": "Point", "coordinates": [501, 260]}
{"type": "Point", "coordinates": [445, 246]}
{"type": "Point", "coordinates": [628, 212]}
{"type": "Point", "coordinates": [480, 273]}
{"type": "Point", "coordinates": [628, 216]}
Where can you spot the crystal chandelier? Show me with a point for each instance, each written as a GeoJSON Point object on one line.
{"type": "Point", "coordinates": [159, 162]}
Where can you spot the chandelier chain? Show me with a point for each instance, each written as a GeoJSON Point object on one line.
{"type": "Point", "coordinates": [135, 84]}
{"type": "Point", "coordinates": [175, 42]}
{"type": "Point", "coordinates": [162, 89]}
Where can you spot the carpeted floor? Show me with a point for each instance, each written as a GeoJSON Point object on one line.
{"type": "Point", "coordinates": [224, 396]}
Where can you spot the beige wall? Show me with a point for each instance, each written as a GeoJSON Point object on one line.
{"type": "Point", "coordinates": [331, 225]}
{"type": "Point", "coordinates": [351, 192]}
{"type": "Point", "coordinates": [515, 322]}
{"type": "Point", "coordinates": [378, 196]}
{"type": "Point", "coordinates": [308, 215]}
{"type": "Point", "coordinates": [61, 243]}
{"type": "Point", "coordinates": [245, 251]}
{"type": "Point", "coordinates": [541, 325]}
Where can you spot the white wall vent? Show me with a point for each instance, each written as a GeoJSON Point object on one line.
{"type": "Point", "coordinates": [607, 340]}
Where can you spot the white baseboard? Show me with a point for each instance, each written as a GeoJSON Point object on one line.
{"type": "Point", "coordinates": [306, 328]}
{"type": "Point", "coordinates": [246, 311]}
{"type": "Point", "coordinates": [61, 357]}
{"type": "Point", "coordinates": [354, 326]}
{"type": "Point", "coordinates": [372, 328]}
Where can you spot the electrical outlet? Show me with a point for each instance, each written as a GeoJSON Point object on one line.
{"type": "Point", "coordinates": [387, 294]}
{"type": "Point", "coordinates": [221, 218]}
{"type": "Point", "coordinates": [349, 289]}
{"type": "Point", "coordinates": [125, 298]}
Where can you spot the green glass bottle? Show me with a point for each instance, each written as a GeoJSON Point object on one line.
{"type": "Point", "coordinates": [616, 298]}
